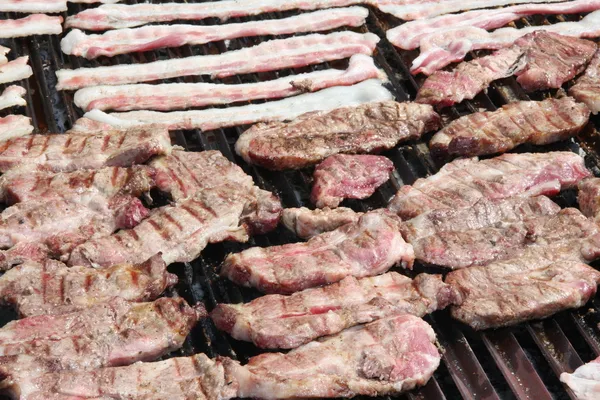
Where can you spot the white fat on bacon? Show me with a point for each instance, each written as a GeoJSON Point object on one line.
{"type": "Point", "coordinates": [15, 70]}
{"type": "Point", "coordinates": [174, 96]}
{"type": "Point", "coordinates": [280, 110]}
{"type": "Point", "coordinates": [147, 38]}
{"type": "Point", "coordinates": [119, 16]}
{"type": "Point", "coordinates": [267, 56]}
{"type": "Point", "coordinates": [13, 97]}
{"type": "Point", "coordinates": [33, 6]}
{"type": "Point", "coordinates": [13, 126]}
{"type": "Point", "coordinates": [3, 52]}
{"type": "Point", "coordinates": [37, 24]}
{"type": "Point", "coordinates": [453, 45]}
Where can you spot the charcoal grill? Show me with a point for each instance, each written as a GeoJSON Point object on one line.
{"type": "Point", "coordinates": [522, 362]}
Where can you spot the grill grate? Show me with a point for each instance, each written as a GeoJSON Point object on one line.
{"type": "Point", "coordinates": [521, 362]}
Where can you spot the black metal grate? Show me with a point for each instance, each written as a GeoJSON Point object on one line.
{"type": "Point", "coordinates": [521, 362]}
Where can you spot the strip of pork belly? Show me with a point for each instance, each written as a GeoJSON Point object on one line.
{"type": "Point", "coordinates": [148, 38]}
{"type": "Point", "coordinates": [12, 96]}
{"type": "Point", "coordinates": [174, 96]}
{"type": "Point", "coordinates": [214, 118]}
{"type": "Point", "coordinates": [3, 52]}
{"type": "Point", "coordinates": [37, 24]}
{"type": "Point", "coordinates": [109, 334]}
{"type": "Point", "coordinates": [128, 16]}
{"type": "Point", "coordinates": [387, 356]}
{"type": "Point", "coordinates": [297, 51]}
{"type": "Point", "coordinates": [312, 137]}
{"type": "Point", "coordinates": [196, 377]}
{"type": "Point", "coordinates": [94, 150]}
{"type": "Point", "coordinates": [464, 182]}
{"type": "Point", "coordinates": [490, 132]}
{"type": "Point", "coordinates": [587, 87]}
{"type": "Point", "coordinates": [584, 381]}
{"type": "Point", "coordinates": [15, 70]}
{"type": "Point", "coordinates": [452, 45]}
{"type": "Point", "coordinates": [33, 6]}
{"type": "Point", "coordinates": [15, 126]}
{"type": "Point", "coordinates": [307, 223]}
{"type": "Point", "coordinates": [368, 247]}
{"type": "Point", "coordinates": [286, 322]}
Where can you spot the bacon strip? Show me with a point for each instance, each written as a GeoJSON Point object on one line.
{"type": "Point", "coordinates": [3, 52]}
{"type": "Point", "coordinates": [153, 37]}
{"type": "Point", "coordinates": [268, 56]}
{"type": "Point", "coordinates": [37, 24]}
{"type": "Point", "coordinates": [12, 97]}
{"type": "Point", "coordinates": [281, 110]}
{"type": "Point", "coordinates": [453, 45]}
{"type": "Point", "coordinates": [128, 16]}
{"type": "Point", "coordinates": [33, 6]}
{"type": "Point", "coordinates": [13, 126]}
{"type": "Point", "coordinates": [172, 96]}
{"type": "Point", "coordinates": [15, 70]}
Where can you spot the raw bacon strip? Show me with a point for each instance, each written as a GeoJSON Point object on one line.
{"type": "Point", "coordinates": [14, 126]}
{"type": "Point", "coordinates": [439, 50]}
{"type": "Point", "coordinates": [94, 1]}
{"type": "Point", "coordinates": [584, 381]}
{"type": "Point", "coordinates": [33, 6]}
{"type": "Point", "coordinates": [15, 70]}
{"type": "Point", "coordinates": [173, 96]}
{"type": "Point", "coordinates": [287, 109]}
{"type": "Point", "coordinates": [3, 52]}
{"type": "Point", "coordinates": [38, 24]}
{"type": "Point", "coordinates": [13, 97]}
{"type": "Point", "coordinates": [268, 56]}
{"type": "Point", "coordinates": [149, 38]}
{"type": "Point", "coordinates": [128, 16]}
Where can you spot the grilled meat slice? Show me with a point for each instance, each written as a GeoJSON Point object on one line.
{"type": "Point", "coordinates": [71, 152]}
{"type": "Point", "coordinates": [368, 247]}
{"type": "Point", "coordinates": [462, 183]}
{"type": "Point", "coordinates": [50, 287]}
{"type": "Point", "coordinates": [344, 176]}
{"type": "Point", "coordinates": [589, 197]}
{"type": "Point", "coordinates": [196, 377]}
{"type": "Point", "coordinates": [312, 137]}
{"type": "Point", "coordinates": [541, 281]}
{"type": "Point", "coordinates": [23, 252]}
{"type": "Point", "coordinates": [587, 87]}
{"type": "Point", "coordinates": [388, 356]}
{"type": "Point", "coordinates": [276, 321]}
{"type": "Point", "coordinates": [307, 223]}
{"type": "Point", "coordinates": [584, 380]}
{"type": "Point", "coordinates": [13, 126]}
{"type": "Point", "coordinates": [109, 334]}
{"type": "Point", "coordinates": [489, 132]}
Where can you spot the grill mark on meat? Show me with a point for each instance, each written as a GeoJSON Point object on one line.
{"type": "Point", "coordinates": [162, 231]}
{"type": "Point", "coordinates": [30, 143]}
{"type": "Point", "coordinates": [83, 144]}
{"type": "Point", "coordinates": [105, 143]}
{"type": "Point", "coordinates": [88, 283]}
{"type": "Point", "coordinates": [173, 221]}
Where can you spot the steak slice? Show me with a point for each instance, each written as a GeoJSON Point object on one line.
{"type": "Point", "coordinates": [312, 137]}
{"type": "Point", "coordinates": [276, 321]}
{"type": "Point", "coordinates": [75, 151]}
{"type": "Point", "coordinates": [50, 287]}
{"type": "Point", "coordinates": [196, 377]}
{"type": "Point", "coordinates": [109, 334]}
{"type": "Point", "coordinates": [589, 197]}
{"type": "Point", "coordinates": [368, 247]}
{"type": "Point", "coordinates": [489, 132]}
{"type": "Point", "coordinates": [344, 176]}
{"type": "Point", "coordinates": [388, 356]}
{"type": "Point", "coordinates": [587, 87]}
{"type": "Point", "coordinates": [462, 183]}
{"type": "Point", "coordinates": [584, 381]}
{"type": "Point", "coordinates": [307, 223]}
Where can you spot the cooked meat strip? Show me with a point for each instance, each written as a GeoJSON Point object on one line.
{"type": "Point", "coordinates": [33, 6]}
{"type": "Point", "coordinates": [312, 137]}
{"type": "Point", "coordinates": [344, 176]}
{"type": "Point", "coordinates": [108, 334]}
{"type": "Point", "coordinates": [15, 126]}
{"type": "Point", "coordinates": [462, 183]}
{"type": "Point", "coordinates": [23, 252]}
{"type": "Point", "coordinates": [71, 152]}
{"type": "Point", "coordinates": [584, 380]}
{"type": "Point", "coordinates": [177, 378]}
{"type": "Point", "coordinates": [12, 96]}
{"type": "Point", "coordinates": [286, 322]}
{"type": "Point", "coordinates": [388, 356]}
{"type": "Point", "coordinates": [3, 52]}
{"type": "Point", "coordinates": [37, 24]}
{"type": "Point", "coordinates": [489, 132]}
{"type": "Point", "coordinates": [587, 87]}
{"type": "Point", "coordinates": [50, 287]}
{"type": "Point", "coordinates": [589, 197]}
{"type": "Point", "coordinates": [307, 223]}
{"type": "Point", "coordinates": [368, 247]}
{"type": "Point", "coordinates": [540, 60]}
{"type": "Point", "coordinates": [15, 70]}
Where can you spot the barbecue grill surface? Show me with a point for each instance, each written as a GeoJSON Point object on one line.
{"type": "Point", "coordinates": [522, 362]}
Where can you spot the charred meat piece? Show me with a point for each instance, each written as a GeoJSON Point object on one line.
{"type": "Point", "coordinates": [276, 321]}
{"type": "Point", "coordinates": [584, 380]}
{"type": "Point", "coordinates": [589, 197]}
{"type": "Point", "coordinates": [307, 223]}
{"type": "Point", "coordinates": [109, 334]}
{"type": "Point", "coordinates": [71, 152]}
{"type": "Point", "coordinates": [314, 136]}
{"type": "Point", "coordinates": [388, 356]}
{"type": "Point", "coordinates": [587, 87]}
{"type": "Point", "coordinates": [196, 377]}
{"type": "Point", "coordinates": [462, 183]}
{"type": "Point", "coordinates": [368, 247]}
{"type": "Point", "coordinates": [489, 132]}
{"type": "Point", "coordinates": [50, 287]}
{"type": "Point", "coordinates": [344, 176]}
